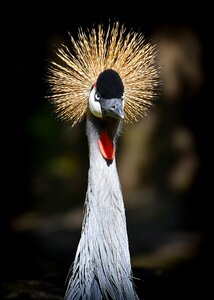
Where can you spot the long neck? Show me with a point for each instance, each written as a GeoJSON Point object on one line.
{"type": "Point", "coordinates": [102, 268]}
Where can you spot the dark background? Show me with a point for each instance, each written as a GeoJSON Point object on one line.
{"type": "Point", "coordinates": [36, 257]}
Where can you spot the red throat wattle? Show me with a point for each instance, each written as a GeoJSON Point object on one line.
{"type": "Point", "coordinates": [106, 145]}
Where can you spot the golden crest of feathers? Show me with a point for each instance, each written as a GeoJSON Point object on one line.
{"type": "Point", "coordinates": [93, 52]}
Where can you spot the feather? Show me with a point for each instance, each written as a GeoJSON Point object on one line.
{"type": "Point", "coordinates": [94, 51]}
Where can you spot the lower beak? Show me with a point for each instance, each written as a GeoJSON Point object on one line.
{"type": "Point", "coordinates": [113, 108]}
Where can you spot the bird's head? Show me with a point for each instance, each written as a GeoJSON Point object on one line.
{"type": "Point", "coordinates": [106, 98]}
{"type": "Point", "coordinates": [105, 63]}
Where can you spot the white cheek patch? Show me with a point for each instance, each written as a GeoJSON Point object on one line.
{"type": "Point", "coordinates": [94, 106]}
{"type": "Point", "coordinates": [123, 102]}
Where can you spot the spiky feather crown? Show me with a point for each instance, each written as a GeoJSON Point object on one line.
{"type": "Point", "coordinates": [93, 52]}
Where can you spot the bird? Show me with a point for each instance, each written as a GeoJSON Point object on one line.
{"type": "Point", "coordinates": [106, 76]}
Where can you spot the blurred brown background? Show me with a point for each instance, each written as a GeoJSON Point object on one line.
{"type": "Point", "coordinates": [162, 160]}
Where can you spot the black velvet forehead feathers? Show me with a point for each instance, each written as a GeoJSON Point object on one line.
{"type": "Point", "coordinates": [109, 84]}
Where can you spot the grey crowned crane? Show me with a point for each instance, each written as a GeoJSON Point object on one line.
{"type": "Point", "coordinates": [110, 76]}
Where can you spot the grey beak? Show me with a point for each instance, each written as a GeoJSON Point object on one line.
{"type": "Point", "coordinates": [112, 108]}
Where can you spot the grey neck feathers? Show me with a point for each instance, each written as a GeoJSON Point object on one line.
{"type": "Point", "coordinates": [102, 269]}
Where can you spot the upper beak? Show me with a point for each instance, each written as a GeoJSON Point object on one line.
{"type": "Point", "coordinates": [112, 108]}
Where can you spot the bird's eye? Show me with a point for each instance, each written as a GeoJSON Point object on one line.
{"type": "Point", "coordinates": [97, 97]}
{"type": "Point", "coordinates": [122, 96]}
